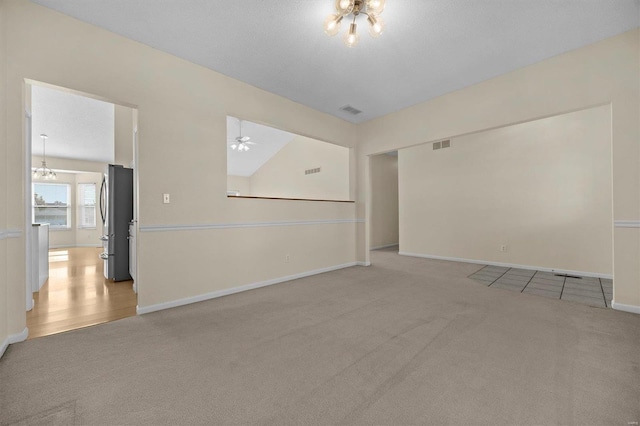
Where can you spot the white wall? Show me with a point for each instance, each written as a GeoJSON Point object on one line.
{"type": "Point", "coordinates": [384, 200]}
{"type": "Point", "coordinates": [602, 73]}
{"type": "Point", "coordinates": [284, 174]}
{"type": "Point", "coordinates": [542, 188]}
{"type": "Point", "coordinates": [182, 110]}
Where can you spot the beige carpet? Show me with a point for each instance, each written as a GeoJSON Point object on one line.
{"type": "Point", "coordinates": [405, 341]}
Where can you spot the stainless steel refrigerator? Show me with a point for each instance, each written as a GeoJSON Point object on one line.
{"type": "Point", "coordinates": [116, 209]}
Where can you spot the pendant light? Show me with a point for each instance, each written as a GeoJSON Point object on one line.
{"type": "Point", "coordinates": [44, 172]}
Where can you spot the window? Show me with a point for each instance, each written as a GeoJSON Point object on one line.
{"type": "Point", "coordinates": [51, 204]}
{"type": "Point", "coordinates": [87, 205]}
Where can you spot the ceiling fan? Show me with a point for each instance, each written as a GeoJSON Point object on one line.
{"type": "Point", "coordinates": [241, 143]}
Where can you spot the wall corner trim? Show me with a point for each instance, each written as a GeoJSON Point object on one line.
{"type": "Point", "coordinates": [141, 310]}
{"type": "Point", "coordinates": [13, 338]}
{"type": "Point", "coordinates": [626, 308]}
{"type": "Point", "coordinates": [363, 263]}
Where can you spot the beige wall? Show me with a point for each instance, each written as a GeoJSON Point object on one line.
{"type": "Point", "coordinates": [602, 73]}
{"type": "Point", "coordinates": [4, 332]}
{"type": "Point", "coordinates": [182, 110]}
{"type": "Point", "coordinates": [239, 183]}
{"type": "Point", "coordinates": [123, 135]}
{"type": "Point", "coordinates": [70, 164]}
{"type": "Point", "coordinates": [541, 188]}
{"type": "Point", "coordinates": [283, 175]}
{"type": "Point", "coordinates": [384, 200]}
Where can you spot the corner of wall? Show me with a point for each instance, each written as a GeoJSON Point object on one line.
{"type": "Point", "coordinates": [3, 180]}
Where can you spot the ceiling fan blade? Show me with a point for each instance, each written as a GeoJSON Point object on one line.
{"type": "Point", "coordinates": [250, 143]}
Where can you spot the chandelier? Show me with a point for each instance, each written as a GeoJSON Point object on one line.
{"type": "Point", "coordinates": [371, 8]}
{"type": "Point", "coordinates": [43, 172]}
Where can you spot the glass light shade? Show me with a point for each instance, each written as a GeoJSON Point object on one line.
{"type": "Point", "coordinates": [234, 146]}
{"type": "Point", "coordinates": [375, 6]}
{"type": "Point", "coordinates": [351, 38]}
{"type": "Point", "coordinates": [376, 25]}
{"type": "Point", "coordinates": [345, 7]}
{"type": "Point", "coordinates": [332, 24]}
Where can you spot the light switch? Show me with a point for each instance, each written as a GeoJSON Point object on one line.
{"type": "Point", "coordinates": [166, 199]}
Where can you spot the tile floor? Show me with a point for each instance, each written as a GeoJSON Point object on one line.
{"type": "Point", "coordinates": [587, 290]}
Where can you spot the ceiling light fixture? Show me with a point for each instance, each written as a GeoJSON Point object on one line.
{"type": "Point", "coordinates": [371, 8]}
{"type": "Point", "coordinates": [241, 143]}
{"type": "Point", "coordinates": [43, 172]}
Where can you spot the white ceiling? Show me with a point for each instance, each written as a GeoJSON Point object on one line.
{"type": "Point", "coordinates": [268, 141]}
{"type": "Point", "coordinates": [78, 127]}
{"type": "Point", "coordinates": [430, 47]}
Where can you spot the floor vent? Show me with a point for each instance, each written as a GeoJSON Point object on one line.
{"type": "Point", "coordinates": [351, 110]}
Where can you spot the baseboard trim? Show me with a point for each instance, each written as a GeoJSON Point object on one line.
{"type": "Point", "coordinates": [383, 247]}
{"type": "Point", "coordinates": [363, 263]}
{"type": "Point", "coordinates": [626, 308]}
{"type": "Point", "coordinates": [13, 338]}
{"type": "Point", "coordinates": [141, 310]}
{"type": "Point", "coordinates": [510, 265]}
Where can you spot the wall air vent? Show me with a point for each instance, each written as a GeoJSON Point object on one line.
{"type": "Point", "coordinates": [442, 144]}
{"type": "Point", "coordinates": [312, 171]}
{"type": "Point", "coordinates": [351, 110]}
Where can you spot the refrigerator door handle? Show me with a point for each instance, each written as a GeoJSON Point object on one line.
{"type": "Point", "coordinates": [102, 199]}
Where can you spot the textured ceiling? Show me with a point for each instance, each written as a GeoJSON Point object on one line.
{"type": "Point", "coordinates": [430, 47]}
{"type": "Point", "coordinates": [268, 141]}
{"type": "Point", "coordinates": [78, 127]}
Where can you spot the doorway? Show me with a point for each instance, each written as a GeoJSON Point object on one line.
{"type": "Point", "coordinates": [383, 170]}
{"type": "Point", "coordinates": [71, 139]}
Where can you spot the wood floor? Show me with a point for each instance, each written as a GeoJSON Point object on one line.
{"type": "Point", "coordinates": [77, 294]}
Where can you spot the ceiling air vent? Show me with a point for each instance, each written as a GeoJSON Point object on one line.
{"type": "Point", "coordinates": [312, 171]}
{"type": "Point", "coordinates": [351, 110]}
{"type": "Point", "coordinates": [436, 145]}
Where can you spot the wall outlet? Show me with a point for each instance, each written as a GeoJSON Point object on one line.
{"type": "Point", "coordinates": [287, 258]}
{"type": "Point", "coordinates": [166, 199]}
{"type": "Point", "coordinates": [503, 248]}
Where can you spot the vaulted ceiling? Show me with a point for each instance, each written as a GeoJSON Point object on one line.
{"type": "Point", "coordinates": [430, 47]}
